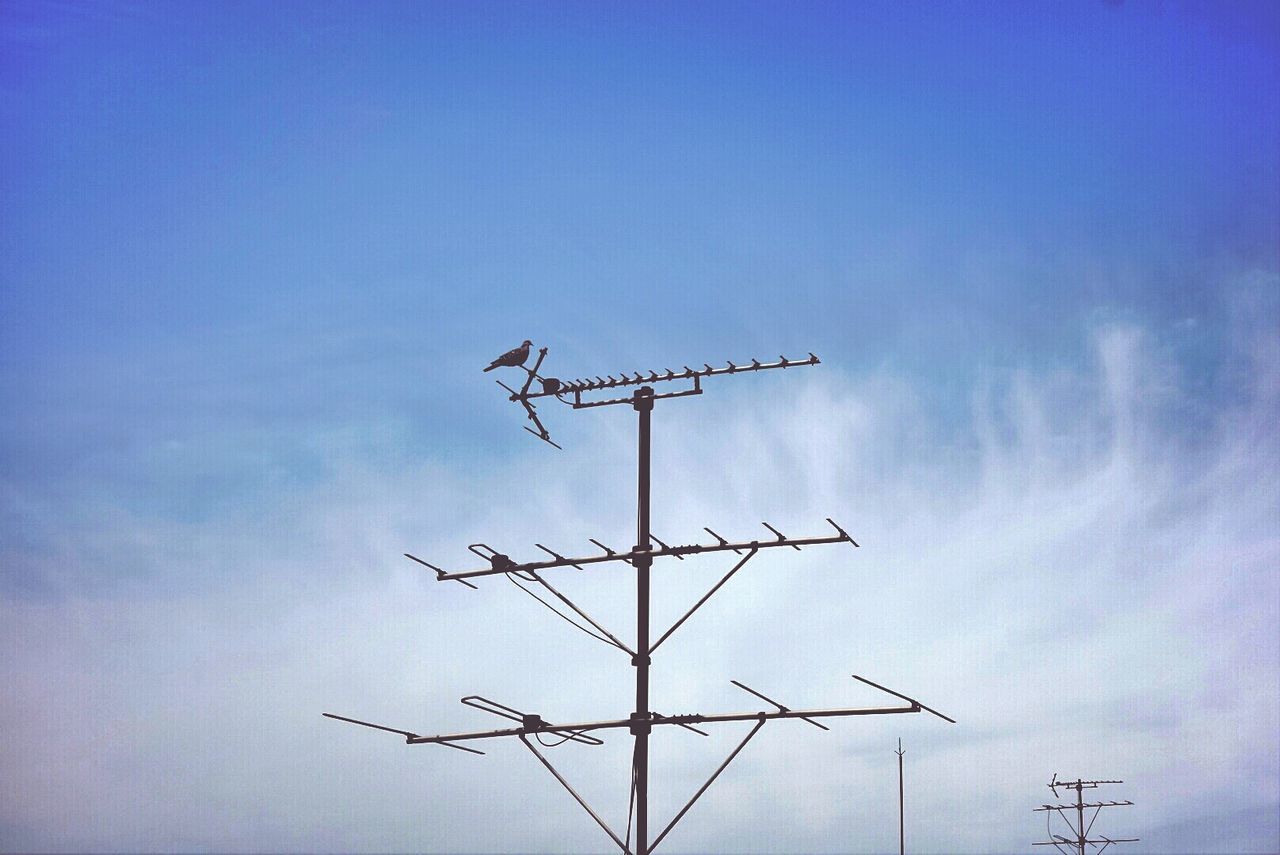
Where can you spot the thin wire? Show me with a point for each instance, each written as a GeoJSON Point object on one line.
{"type": "Point", "coordinates": [1049, 831]}
{"type": "Point", "coordinates": [556, 395]}
{"type": "Point", "coordinates": [545, 744]}
{"type": "Point", "coordinates": [563, 616]}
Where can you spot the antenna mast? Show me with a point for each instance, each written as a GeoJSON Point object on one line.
{"type": "Point", "coordinates": [527, 575]}
{"type": "Point", "coordinates": [902, 846]}
{"type": "Point", "coordinates": [1079, 831]}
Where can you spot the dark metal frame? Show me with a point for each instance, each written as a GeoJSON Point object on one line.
{"type": "Point", "coordinates": [641, 556]}
{"type": "Point", "coordinates": [1079, 830]}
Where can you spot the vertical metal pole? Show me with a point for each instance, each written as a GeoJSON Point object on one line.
{"type": "Point", "coordinates": [640, 725]}
{"type": "Point", "coordinates": [902, 846]}
{"type": "Point", "coordinates": [1080, 814]}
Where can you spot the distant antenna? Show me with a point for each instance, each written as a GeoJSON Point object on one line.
{"type": "Point", "coordinates": [1078, 838]}
{"type": "Point", "coordinates": [527, 576]}
{"type": "Point", "coordinates": [902, 846]}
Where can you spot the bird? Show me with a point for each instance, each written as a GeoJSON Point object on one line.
{"type": "Point", "coordinates": [550, 385]}
{"type": "Point", "coordinates": [512, 358]}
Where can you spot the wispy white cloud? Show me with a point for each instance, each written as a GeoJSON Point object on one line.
{"type": "Point", "coordinates": [1084, 583]}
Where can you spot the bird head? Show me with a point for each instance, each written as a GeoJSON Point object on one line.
{"type": "Point", "coordinates": [525, 343]}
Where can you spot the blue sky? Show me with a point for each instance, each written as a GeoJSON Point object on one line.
{"type": "Point", "coordinates": [255, 255]}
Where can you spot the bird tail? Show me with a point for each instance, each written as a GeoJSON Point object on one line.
{"type": "Point", "coordinates": [491, 367]}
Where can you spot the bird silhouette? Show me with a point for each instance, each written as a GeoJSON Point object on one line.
{"type": "Point", "coordinates": [550, 385]}
{"type": "Point", "coordinates": [512, 358]}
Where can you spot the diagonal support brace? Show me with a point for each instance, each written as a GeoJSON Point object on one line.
{"type": "Point", "coordinates": [552, 769]}
{"type": "Point", "coordinates": [679, 816]}
{"type": "Point", "coordinates": [705, 597]}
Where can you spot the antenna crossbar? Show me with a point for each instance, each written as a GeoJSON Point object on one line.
{"type": "Point", "coordinates": [614, 724]}
{"type": "Point", "coordinates": [579, 404]}
{"type": "Point", "coordinates": [636, 378]}
{"type": "Point", "coordinates": [1075, 785]}
{"type": "Point", "coordinates": [533, 724]}
{"type": "Point", "coordinates": [1091, 841]}
{"type": "Point", "coordinates": [502, 564]}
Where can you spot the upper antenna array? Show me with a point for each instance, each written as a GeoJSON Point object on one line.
{"type": "Point", "coordinates": [571, 392]}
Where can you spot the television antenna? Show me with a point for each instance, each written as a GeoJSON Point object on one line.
{"type": "Point", "coordinates": [1079, 830]}
{"type": "Point", "coordinates": [588, 393]}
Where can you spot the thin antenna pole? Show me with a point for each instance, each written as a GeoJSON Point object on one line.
{"type": "Point", "coordinates": [642, 400]}
{"type": "Point", "coordinates": [902, 846]}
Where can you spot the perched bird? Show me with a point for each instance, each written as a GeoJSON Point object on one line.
{"type": "Point", "coordinates": [550, 385]}
{"type": "Point", "coordinates": [512, 358]}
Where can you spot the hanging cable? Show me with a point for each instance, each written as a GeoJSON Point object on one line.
{"type": "Point", "coordinates": [1049, 830]}
{"type": "Point", "coordinates": [563, 616]}
{"type": "Point", "coordinates": [545, 744]}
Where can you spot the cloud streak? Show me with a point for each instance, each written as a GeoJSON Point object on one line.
{"type": "Point", "coordinates": [1083, 581]}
